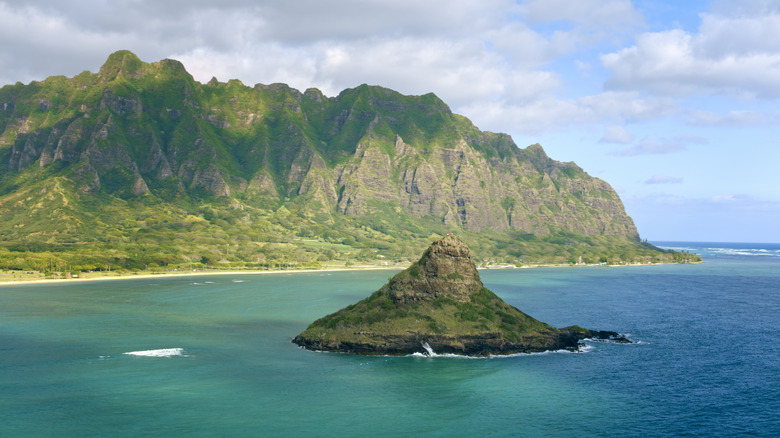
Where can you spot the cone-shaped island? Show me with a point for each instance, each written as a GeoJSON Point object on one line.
{"type": "Point", "coordinates": [439, 304]}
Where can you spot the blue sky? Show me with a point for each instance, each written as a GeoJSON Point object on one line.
{"type": "Point", "coordinates": [675, 104]}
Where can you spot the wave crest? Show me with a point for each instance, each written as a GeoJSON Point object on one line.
{"type": "Point", "coordinates": [163, 352]}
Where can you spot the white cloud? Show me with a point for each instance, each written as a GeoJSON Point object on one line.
{"type": "Point", "coordinates": [459, 72]}
{"type": "Point", "coordinates": [479, 56]}
{"type": "Point", "coordinates": [551, 112]}
{"type": "Point", "coordinates": [663, 179]}
{"type": "Point", "coordinates": [296, 68]}
{"type": "Point", "coordinates": [524, 47]}
{"type": "Point", "coordinates": [584, 67]}
{"type": "Point", "coordinates": [745, 7]}
{"type": "Point", "coordinates": [292, 22]}
{"type": "Point", "coordinates": [463, 51]}
{"type": "Point", "coordinates": [616, 134]}
{"type": "Point", "coordinates": [590, 13]}
{"type": "Point", "coordinates": [732, 118]}
{"type": "Point", "coordinates": [307, 21]}
{"type": "Point", "coordinates": [651, 147]}
{"type": "Point", "coordinates": [726, 217]}
{"type": "Point", "coordinates": [691, 139]}
{"type": "Point", "coordinates": [743, 202]}
{"type": "Point", "coordinates": [737, 56]}
{"type": "Point", "coordinates": [727, 199]}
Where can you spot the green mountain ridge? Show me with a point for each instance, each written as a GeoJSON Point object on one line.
{"type": "Point", "coordinates": [140, 165]}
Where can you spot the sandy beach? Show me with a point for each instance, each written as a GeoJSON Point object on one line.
{"type": "Point", "coordinates": [33, 278]}
{"type": "Point", "coordinates": [21, 278]}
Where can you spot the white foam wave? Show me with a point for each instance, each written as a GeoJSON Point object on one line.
{"type": "Point", "coordinates": [746, 251]}
{"type": "Point", "coordinates": [239, 281]}
{"type": "Point", "coordinates": [163, 352]}
{"type": "Point", "coordinates": [720, 250]}
{"type": "Point", "coordinates": [679, 248]}
{"type": "Point", "coordinates": [434, 355]}
{"type": "Point", "coordinates": [584, 348]}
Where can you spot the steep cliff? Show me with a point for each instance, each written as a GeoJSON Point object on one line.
{"type": "Point", "coordinates": [370, 158]}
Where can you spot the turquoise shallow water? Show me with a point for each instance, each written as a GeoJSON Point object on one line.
{"type": "Point", "coordinates": [706, 361]}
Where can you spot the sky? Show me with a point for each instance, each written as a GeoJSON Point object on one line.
{"type": "Point", "coordinates": [674, 104]}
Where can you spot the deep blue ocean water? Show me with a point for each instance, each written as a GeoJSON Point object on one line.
{"type": "Point", "coordinates": [211, 357]}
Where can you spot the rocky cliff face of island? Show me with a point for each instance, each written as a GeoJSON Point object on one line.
{"type": "Point", "coordinates": [438, 305]}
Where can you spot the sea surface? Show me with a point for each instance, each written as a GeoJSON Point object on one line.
{"type": "Point", "coordinates": [210, 356]}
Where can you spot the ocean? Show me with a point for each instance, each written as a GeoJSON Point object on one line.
{"type": "Point", "coordinates": [210, 356]}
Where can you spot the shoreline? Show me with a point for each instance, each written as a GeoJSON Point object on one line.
{"type": "Point", "coordinates": [168, 274]}
{"type": "Point", "coordinates": [107, 277]}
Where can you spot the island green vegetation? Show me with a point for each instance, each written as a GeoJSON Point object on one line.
{"type": "Point", "coordinates": [139, 167]}
{"type": "Point", "coordinates": [438, 304]}
{"type": "Point", "coordinates": [484, 313]}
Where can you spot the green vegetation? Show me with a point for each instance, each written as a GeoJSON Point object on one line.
{"type": "Point", "coordinates": [485, 313]}
{"type": "Point", "coordinates": [437, 303]}
{"type": "Point", "coordinates": [139, 167]}
{"type": "Point", "coordinates": [109, 233]}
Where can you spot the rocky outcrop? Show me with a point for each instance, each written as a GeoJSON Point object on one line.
{"type": "Point", "coordinates": [439, 305]}
{"type": "Point", "coordinates": [446, 269]}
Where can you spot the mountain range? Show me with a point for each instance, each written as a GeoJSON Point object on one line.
{"type": "Point", "coordinates": [139, 165]}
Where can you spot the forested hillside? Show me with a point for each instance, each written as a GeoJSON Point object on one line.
{"type": "Point", "coordinates": [139, 166]}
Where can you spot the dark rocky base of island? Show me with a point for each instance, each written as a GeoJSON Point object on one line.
{"type": "Point", "coordinates": [468, 345]}
{"type": "Point", "coordinates": [439, 305]}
